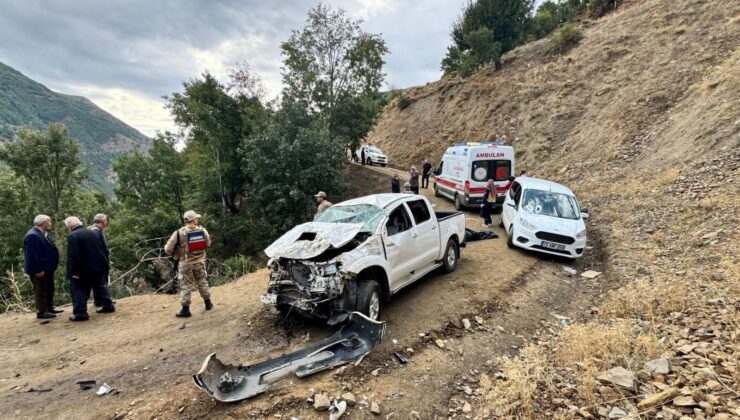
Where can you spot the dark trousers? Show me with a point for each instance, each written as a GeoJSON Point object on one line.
{"type": "Point", "coordinates": [425, 180]}
{"type": "Point", "coordinates": [101, 294]}
{"type": "Point", "coordinates": [43, 291]}
{"type": "Point", "coordinates": [415, 189]}
{"type": "Point", "coordinates": [80, 291]}
{"type": "Point", "coordinates": [485, 213]}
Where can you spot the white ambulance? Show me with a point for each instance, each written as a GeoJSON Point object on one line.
{"type": "Point", "coordinates": [465, 169]}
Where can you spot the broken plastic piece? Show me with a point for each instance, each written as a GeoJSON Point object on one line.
{"type": "Point", "coordinates": [229, 383]}
{"type": "Point", "coordinates": [401, 358]}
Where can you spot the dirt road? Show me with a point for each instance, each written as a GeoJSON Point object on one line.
{"type": "Point", "coordinates": [148, 355]}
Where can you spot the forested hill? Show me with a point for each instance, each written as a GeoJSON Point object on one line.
{"type": "Point", "coordinates": [26, 103]}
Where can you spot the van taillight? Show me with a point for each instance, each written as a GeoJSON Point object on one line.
{"type": "Point", "coordinates": [467, 187]}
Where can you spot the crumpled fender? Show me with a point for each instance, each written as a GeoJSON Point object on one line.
{"type": "Point", "coordinates": [229, 383]}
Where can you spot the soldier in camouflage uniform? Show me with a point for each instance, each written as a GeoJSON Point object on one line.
{"type": "Point", "coordinates": [188, 245]}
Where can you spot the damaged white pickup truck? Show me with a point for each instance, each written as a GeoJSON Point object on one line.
{"type": "Point", "coordinates": [360, 252]}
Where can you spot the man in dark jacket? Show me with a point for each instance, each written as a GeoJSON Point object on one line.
{"type": "Point", "coordinates": [426, 170]}
{"type": "Point", "coordinates": [41, 260]}
{"type": "Point", "coordinates": [100, 286]}
{"type": "Point", "coordinates": [87, 261]}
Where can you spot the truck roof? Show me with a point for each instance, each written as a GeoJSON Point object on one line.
{"type": "Point", "coordinates": [378, 200]}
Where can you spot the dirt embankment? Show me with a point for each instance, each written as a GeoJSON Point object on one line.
{"type": "Point", "coordinates": [642, 121]}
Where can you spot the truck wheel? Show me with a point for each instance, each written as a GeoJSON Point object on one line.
{"type": "Point", "coordinates": [510, 237]}
{"type": "Point", "coordinates": [368, 299]}
{"type": "Point", "coordinates": [452, 253]}
{"type": "Point", "coordinates": [436, 191]}
{"type": "Point", "coordinates": [458, 203]}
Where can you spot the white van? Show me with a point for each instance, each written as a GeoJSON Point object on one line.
{"type": "Point", "coordinates": [465, 169]}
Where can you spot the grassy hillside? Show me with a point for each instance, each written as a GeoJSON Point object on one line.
{"type": "Point", "coordinates": [26, 103]}
{"type": "Point", "coordinates": [642, 120]}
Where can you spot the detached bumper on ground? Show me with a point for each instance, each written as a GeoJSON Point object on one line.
{"type": "Point", "coordinates": [229, 383]}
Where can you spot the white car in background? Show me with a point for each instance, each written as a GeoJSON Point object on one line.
{"type": "Point", "coordinates": [372, 154]}
{"type": "Point", "coordinates": [544, 216]}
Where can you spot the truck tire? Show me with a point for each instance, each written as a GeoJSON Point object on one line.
{"type": "Point", "coordinates": [369, 300]}
{"type": "Point", "coordinates": [458, 203]}
{"type": "Point", "coordinates": [452, 254]}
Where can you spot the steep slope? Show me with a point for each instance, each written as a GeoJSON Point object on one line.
{"type": "Point", "coordinates": [26, 103]}
{"type": "Point", "coordinates": [642, 120]}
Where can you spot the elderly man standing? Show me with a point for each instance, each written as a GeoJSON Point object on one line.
{"type": "Point", "coordinates": [86, 262]}
{"type": "Point", "coordinates": [101, 294]}
{"type": "Point", "coordinates": [41, 259]}
{"type": "Point", "coordinates": [188, 245]}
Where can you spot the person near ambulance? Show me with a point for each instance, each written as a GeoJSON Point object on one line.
{"type": "Point", "coordinates": [489, 200]}
{"type": "Point", "coordinates": [323, 204]}
{"type": "Point", "coordinates": [188, 245]}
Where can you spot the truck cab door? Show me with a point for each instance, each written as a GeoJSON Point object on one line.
{"type": "Point", "coordinates": [427, 238]}
{"type": "Point", "coordinates": [398, 237]}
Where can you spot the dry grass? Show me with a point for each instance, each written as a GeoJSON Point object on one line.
{"type": "Point", "coordinates": [525, 374]}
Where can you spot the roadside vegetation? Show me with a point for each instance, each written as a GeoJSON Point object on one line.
{"type": "Point", "coordinates": [486, 29]}
{"type": "Point", "coordinates": [249, 165]}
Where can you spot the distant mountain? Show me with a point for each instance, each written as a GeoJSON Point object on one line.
{"type": "Point", "coordinates": [26, 103]}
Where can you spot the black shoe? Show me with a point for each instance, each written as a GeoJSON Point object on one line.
{"type": "Point", "coordinates": [209, 305]}
{"type": "Point", "coordinates": [56, 310]}
{"type": "Point", "coordinates": [184, 312]}
{"type": "Point", "coordinates": [45, 315]}
{"type": "Point", "coordinates": [105, 310]}
{"type": "Point", "coordinates": [79, 317]}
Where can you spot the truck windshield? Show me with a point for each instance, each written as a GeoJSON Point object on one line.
{"type": "Point", "coordinates": [366, 214]}
{"type": "Point", "coordinates": [551, 204]}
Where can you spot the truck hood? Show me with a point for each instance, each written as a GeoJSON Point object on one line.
{"type": "Point", "coordinates": [310, 240]}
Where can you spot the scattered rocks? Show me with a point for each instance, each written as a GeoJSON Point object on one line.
{"type": "Point", "coordinates": [466, 323]}
{"type": "Point", "coordinates": [618, 376]}
{"type": "Point", "coordinates": [658, 399]}
{"type": "Point", "coordinates": [440, 343]}
{"type": "Point", "coordinates": [349, 398]}
{"type": "Point", "coordinates": [467, 408]}
{"type": "Point", "coordinates": [617, 413]}
{"type": "Point", "coordinates": [660, 366]}
{"type": "Point", "coordinates": [684, 401]}
{"type": "Point", "coordinates": [321, 402]}
{"type": "Point", "coordinates": [375, 408]}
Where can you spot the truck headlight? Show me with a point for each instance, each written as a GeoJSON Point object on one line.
{"type": "Point", "coordinates": [527, 224]}
{"type": "Point", "coordinates": [581, 234]}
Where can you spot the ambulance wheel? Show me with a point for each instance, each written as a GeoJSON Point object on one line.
{"type": "Point", "coordinates": [501, 222]}
{"type": "Point", "coordinates": [436, 191]}
{"type": "Point", "coordinates": [458, 203]}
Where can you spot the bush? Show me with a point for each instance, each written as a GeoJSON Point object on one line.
{"type": "Point", "coordinates": [239, 266]}
{"type": "Point", "coordinates": [563, 39]}
{"type": "Point", "coordinates": [403, 101]}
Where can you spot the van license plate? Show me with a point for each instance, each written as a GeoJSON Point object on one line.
{"type": "Point", "coordinates": [552, 245]}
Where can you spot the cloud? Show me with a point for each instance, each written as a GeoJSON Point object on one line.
{"type": "Point", "coordinates": [125, 54]}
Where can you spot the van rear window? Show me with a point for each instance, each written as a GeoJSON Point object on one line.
{"type": "Point", "coordinates": [483, 170]}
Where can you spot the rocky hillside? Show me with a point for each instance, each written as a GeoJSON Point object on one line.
{"type": "Point", "coordinates": [642, 120]}
{"type": "Point", "coordinates": [26, 103]}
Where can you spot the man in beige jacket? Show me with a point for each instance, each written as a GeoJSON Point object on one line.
{"type": "Point", "coordinates": [323, 204]}
{"type": "Point", "coordinates": [188, 245]}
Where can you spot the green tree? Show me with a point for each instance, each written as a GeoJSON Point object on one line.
{"type": "Point", "coordinates": [334, 69]}
{"type": "Point", "coordinates": [297, 157]}
{"type": "Point", "coordinates": [156, 180]}
{"type": "Point", "coordinates": [213, 123]}
{"type": "Point", "coordinates": [49, 162]}
{"type": "Point", "coordinates": [485, 30]}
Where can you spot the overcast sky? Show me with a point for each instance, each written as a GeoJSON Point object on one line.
{"type": "Point", "coordinates": [125, 54]}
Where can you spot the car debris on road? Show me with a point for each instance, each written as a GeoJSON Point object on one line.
{"type": "Point", "coordinates": [229, 383]}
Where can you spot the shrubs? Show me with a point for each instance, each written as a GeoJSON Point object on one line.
{"type": "Point", "coordinates": [403, 100]}
{"type": "Point", "coordinates": [563, 39]}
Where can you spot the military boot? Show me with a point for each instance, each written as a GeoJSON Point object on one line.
{"type": "Point", "coordinates": [209, 305]}
{"type": "Point", "coordinates": [184, 312]}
